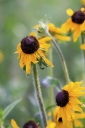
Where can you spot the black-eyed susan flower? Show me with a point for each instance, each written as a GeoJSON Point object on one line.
{"type": "Point", "coordinates": [42, 30]}
{"type": "Point", "coordinates": [68, 102]}
{"type": "Point", "coordinates": [31, 49]}
{"type": "Point", "coordinates": [76, 22]}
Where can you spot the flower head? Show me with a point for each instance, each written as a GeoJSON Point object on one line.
{"type": "Point", "coordinates": [42, 30]}
{"type": "Point", "coordinates": [31, 49]}
{"type": "Point", "coordinates": [68, 102]}
{"type": "Point", "coordinates": [76, 22]}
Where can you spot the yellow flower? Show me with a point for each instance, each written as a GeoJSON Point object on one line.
{"type": "Point", "coordinates": [76, 23]}
{"type": "Point", "coordinates": [55, 31]}
{"type": "Point", "coordinates": [68, 102]}
{"type": "Point", "coordinates": [31, 49]}
{"type": "Point", "coordinates": [14, 124]}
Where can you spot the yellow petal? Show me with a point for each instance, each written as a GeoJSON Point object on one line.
{"type": "Point", "coordinates": [45, 59]}
{"type": "Point", "coordinates": [32, 34]}
{"type": "Point", "coordinates": [67, 25]}
{"type": "Point", "coordinates": [69, 12]}
{"type": "Point", "coordinates": [82, 27]}
{"type": "Point", "coordinates": [64, 38]}
{"type": "Point", "coordinates": [83, 1]}
{"type": "Point", "coordinates": [45, 39]}
{"type": "Point", "coordinates": [78, 123]}
{"type": "Point", "coordinates": [51, 125]}
{"type": "Point", "coordinates": [82, 46]}
{"type": "Point", "coordinates": [82, 9]}
{"type": "Point", "coordinates": [76, 34]}
{"type": "Point", "coordinates": [28, 64]}
{"type": "Point", "coordinates": [14, 124]}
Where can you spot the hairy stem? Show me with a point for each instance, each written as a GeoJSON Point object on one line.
{"type": "Point", "coordinates": [50, 73]}
{"type": "Point", "coordinates": [62, 58]}
{"type": "Point", "coordinates": [39, 95]}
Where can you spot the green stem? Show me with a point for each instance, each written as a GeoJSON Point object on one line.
{"type": "Point", "coordinates": [62, 58]}
{"type": "Point", "coordinates": [50, 72]}
{"type": "Point", "coordinates": [39, 95]}
{"type": "Point", "coordinates": [83, 54]}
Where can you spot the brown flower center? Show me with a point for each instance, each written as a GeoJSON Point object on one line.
{"type": "Point", "coordinates": [62, 98]}
{"type": "Point", "coordinates": [29, 45]}
{"type": "Point", "coordinates": [78, 17]}
{"type": "Point", "coordinates": [30, 124]}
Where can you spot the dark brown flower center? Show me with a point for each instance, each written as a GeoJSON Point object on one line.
{"type": "Point", "coordinates": [29, 44]}
{"type": "Point", "coordinates": [30, 124]}
{"type": "Point", "coordinates": [78, 17]}
{"type": "Point", "coordinates": [62, 98]}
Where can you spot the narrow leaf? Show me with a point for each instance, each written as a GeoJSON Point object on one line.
{"type": "Point", "coordinates": [7, 110]}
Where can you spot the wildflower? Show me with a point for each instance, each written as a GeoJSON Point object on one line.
{"type": "Point", "coordinates": [31, 49]}
{"type": "Point", "coordinates": [42, 30]}
{"type": "Point", "coordinates": [68, 102]}
{"type": "Point", "coordinates": [76, 22]}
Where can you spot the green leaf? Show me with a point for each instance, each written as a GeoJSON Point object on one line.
{"type": "Point", "coordinates": [7, 110]}
{"type": "Point", "coordinates": [49, 81]}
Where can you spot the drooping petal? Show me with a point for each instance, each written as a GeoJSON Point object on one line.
{"type": "Point", "coordinates": [45, 39]}
{"type": "Point", "coordinates": [82, 27]}
{"type": "Point", "coordinates": [64, 38]}
{"type": "Point", "coordinates": [45, 59]}
{"type": "Point", "coordinates": [67, 25]}
{"type": "Point", "coordinates": [76, 34]}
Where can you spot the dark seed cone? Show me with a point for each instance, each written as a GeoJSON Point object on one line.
{"type": "Point", "coordinates": [62, 98]}
{"type": "Point", "coordinates": [29, 45]}
{"type": "Point", "coordinates": [78, 17]}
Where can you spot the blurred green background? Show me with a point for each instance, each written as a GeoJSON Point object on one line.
{"type": "Point", "coordinates": [17, 18]}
